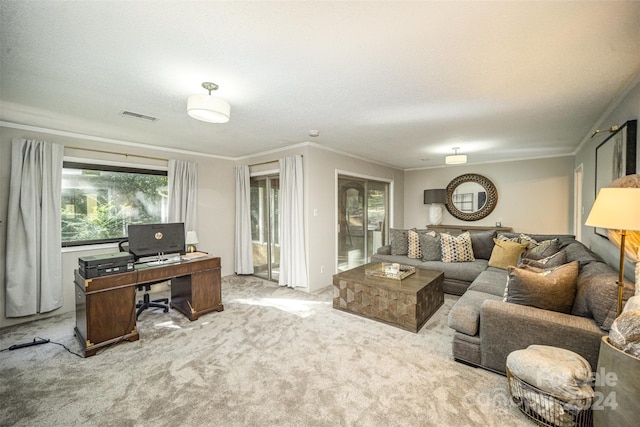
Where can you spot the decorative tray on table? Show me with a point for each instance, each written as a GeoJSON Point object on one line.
{"type": "Point", "coordinates": [390, 270]}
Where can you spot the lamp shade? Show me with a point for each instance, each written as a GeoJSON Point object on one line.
{"type": "Point", "coordinates": [192, 238]}
{"type": "Point", "coordinates": [435, 196]}
{"type": "Point", "coordinates": [616, 209]}
{"type": "Point", "coordinates": [208, 109]}
{"type": "Point", "coordinates": [455, 159]}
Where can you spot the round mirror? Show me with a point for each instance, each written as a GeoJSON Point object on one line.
{"type": "Point", "coordinates": [471, 197]}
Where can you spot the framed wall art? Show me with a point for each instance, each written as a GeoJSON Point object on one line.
{"type": "Point", "coordinates": [616, 157]}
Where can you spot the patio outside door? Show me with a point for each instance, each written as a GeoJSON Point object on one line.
{"type": "Point", "coordinates": [363, 206]}
{"type": "Point", "coordinates": [264, 226]}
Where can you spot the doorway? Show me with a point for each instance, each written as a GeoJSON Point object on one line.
{"type": "Point", "coordinates": [264, 226]}
{"type": "Point", "coordinates": [363, 207]}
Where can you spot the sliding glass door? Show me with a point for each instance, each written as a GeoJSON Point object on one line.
{"type": "Point", "coordinates": [264, 226]}
{"type": "Point", "coordinates": [363, 207]}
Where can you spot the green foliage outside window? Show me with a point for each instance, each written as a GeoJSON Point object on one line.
{"type": "Point", "coordinates": [98, 202]}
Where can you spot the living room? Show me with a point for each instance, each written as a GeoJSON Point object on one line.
{"type": "Point", "coordinates": [537, 188]}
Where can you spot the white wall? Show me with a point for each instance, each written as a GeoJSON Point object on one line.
{"type": "Point", "coordinates": [534, 196]}
{"type": "Point", "coordinates": [628, 108]}
{"type": "Point", "coordinates": [215, 205]}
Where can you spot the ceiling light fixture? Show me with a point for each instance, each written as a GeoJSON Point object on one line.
{"type": "Point", "coordinates": [455, 159]}
{"type": "Point", "coordinates": [208, 108]}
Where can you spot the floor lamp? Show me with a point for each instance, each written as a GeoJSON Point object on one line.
{"type": "Point", "coordinates": [617, 209]}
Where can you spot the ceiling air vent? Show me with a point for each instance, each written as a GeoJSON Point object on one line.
{"type": "Point", "coordinates": [138, 116]}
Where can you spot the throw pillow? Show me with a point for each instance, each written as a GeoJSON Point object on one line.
{"type": "Point", "coordinates": [505, 238]}
{"type": "Point", "coordinates": [555, 260]}
{"type": "Point", "coordinates": [505, 253]}
{"type": "Point", "coordinates": [543, 249]}
{"type": "Point", "coordinates": [552, 289]}
{"type": "Point", "coordinates": [430, 246]}
{"type": "Point", "coordinates": [482, 242]}
{"type": "Point", "coordinates": [456, 248]}
{"type": "Point", "coordinates": [399, 242]}
{"type": "Point", "coordinates": [413, 249]}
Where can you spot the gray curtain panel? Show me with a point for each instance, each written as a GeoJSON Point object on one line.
{"type": "Point", "coordinates": [244, 244]}
{"type": "Point", "coordinates": [34, 259]}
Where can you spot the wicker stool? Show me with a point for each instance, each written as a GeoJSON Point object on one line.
{"type": "Point", "coordinates": [551, 386]}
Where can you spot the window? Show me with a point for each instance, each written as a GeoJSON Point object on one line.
{"type": "Point", "coordinates": [99, 202]}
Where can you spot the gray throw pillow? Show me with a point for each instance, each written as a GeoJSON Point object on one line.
{"type": "Point", "coordinates": [430, 246]}
{"type": "Point", "coordinates": [555, 260]}
{"type": "Point", "coordinates": [552, 289]}
{"type": "Point", "coordinates": [399, 242]}
{"type": "Point", "coordinates": [482, 243]}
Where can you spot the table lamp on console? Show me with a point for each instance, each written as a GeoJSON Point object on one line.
{"type": "Point", "coordinates": [436, 198]}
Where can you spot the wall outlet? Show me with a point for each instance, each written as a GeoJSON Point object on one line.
{"type": "Point", "coordinates": [322, 270]}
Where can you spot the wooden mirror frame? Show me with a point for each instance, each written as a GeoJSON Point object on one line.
{"type": "Point", "coordinates": [484, 182]}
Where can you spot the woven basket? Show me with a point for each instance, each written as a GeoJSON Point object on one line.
{"type": "Point", "coordinates": [548, 409]}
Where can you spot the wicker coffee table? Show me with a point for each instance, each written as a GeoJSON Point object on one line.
{"type": "Point", "coordinates": [406, 303]}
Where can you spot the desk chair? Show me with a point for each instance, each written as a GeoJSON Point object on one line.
{"type": "Point", "coordinates": [146, 302]}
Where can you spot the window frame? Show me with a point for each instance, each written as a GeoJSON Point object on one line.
{"type": "Point", "coordinates": [90, 165]}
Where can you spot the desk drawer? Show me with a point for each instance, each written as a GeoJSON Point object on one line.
{"type": "Point", "coordinates": [105, 282]}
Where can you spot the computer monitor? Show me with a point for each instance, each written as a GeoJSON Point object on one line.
{"type": "Point", "coordinates": [147, 240]}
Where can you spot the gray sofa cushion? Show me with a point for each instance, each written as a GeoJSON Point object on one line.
{"type": "Point", "coordinates": [597, 295]}
{"type": "Point", "coordinates": [578, 252]}
{"type": "Point", "coordinates": [400, 259]}
{"type": "Point", "coordinates": [492, 281]}
{"type": "Point", "coordinates": [482, 243]}
{"type": "Point", "coordinates": [399, 241]}
{"type": "Point", "coordinates": [464, 316]}
{"type": "Point", "coordinates": [466, 271]}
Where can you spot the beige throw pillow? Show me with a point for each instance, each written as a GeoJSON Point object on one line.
{"type": "Point", "coordinates": [553, 289]}
{"type": "Point", "coordinates": [456, 248]}
{"type": "Point", "coordinates": [413, 248]}
{"type": "Point", "coordinates": [506, 253]}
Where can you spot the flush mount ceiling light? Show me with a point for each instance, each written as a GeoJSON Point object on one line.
{"type": "Point", "coordinates": [207, 108]}
{"type": "Point", "coordinates": [455, 159]}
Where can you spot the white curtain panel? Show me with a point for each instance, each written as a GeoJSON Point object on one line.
{"type": "Point", "coordinates": [293, 264]}
{"type": "Point", "coordinates": [183, 193]}
{"type": "Point", "coordinates": [244, 245]}
{"type": "Point", "coordinates": [33, 278]}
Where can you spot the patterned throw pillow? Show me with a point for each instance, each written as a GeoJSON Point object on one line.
{"type": "Point", "coordinates": [555, 260]}
{"type": "Point", "coordinates": [399, 240]}
{"type": "Point", "coordinates": [430, 246]}
{"type": "Point", "coordinates": [413, 250]}
{"type": "Point", "coordinates": [504, 238]}
{"type": "Point", "coordinates": [537, 250]}
{"type": "Point", "coordinates": [456, 248]}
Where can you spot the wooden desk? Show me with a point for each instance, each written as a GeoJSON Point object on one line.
{"type": "Point", "coordinates": [106, 306]}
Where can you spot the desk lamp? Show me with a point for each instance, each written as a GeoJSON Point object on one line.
{"type": "Point", "coordinates": [617, 209]}
{"type": "Point", "coordinates": [191, 241]}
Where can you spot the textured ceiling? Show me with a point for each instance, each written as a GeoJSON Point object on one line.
{"type": "Point", "coordinates": [397, 82]}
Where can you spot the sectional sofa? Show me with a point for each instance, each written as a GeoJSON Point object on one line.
{"type": "Point", "coordinates": [491, 320]}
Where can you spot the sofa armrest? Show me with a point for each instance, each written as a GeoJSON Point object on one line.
{"type": "Point", "coordinates": [505, 327]}
{"type": "Point", "coordinates": [384, 250]}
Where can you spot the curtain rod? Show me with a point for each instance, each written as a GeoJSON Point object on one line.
{"type": "Point", "coordinates": [266, 163]}
{"type": "Point", "coordinates": [141, 156]}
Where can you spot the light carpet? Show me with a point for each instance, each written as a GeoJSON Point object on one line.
{"type": "Point", "coordinates": [274, 357]}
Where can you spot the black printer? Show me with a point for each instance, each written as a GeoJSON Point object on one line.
{"type": "Point", "coordinates": [103, 265]}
